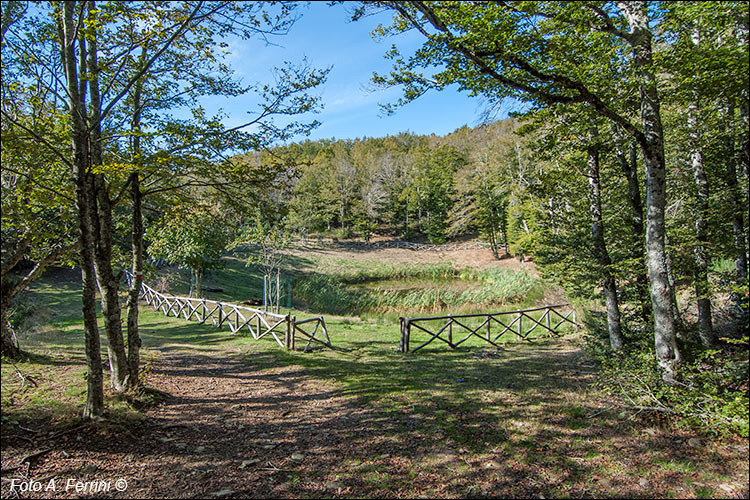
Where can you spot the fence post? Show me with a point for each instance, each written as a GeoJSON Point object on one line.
{"type": "Point", "coordinates": [450, 334]}
{"type": "Point", "coordinates": [488, 328]}
{"type": "Point", "coordinates": [520, 327]}
{"type": "Point", "coordinates": [288, 333]}
{"type": "Point", "coordinates": [547, 319]}
{"type": "Point", "coordinates": [401, 342]}
{"type": "Point", "coordinates": [405, 327]}
{"type": "Point", "coordinates": [292, 327]}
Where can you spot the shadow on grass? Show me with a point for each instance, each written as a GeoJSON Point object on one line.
{"type": "Point", "coordinates": [374, 369]}
{"type": "Point", "coordinates": [506, 430]}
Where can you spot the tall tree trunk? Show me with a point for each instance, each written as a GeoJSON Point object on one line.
{"type": "Point", "coordinates": [278, 291]}
{"type": "Point", "coordinates": [738, 225]}
{"type": "Point", "coordinates": [134, 339]}
{"type": "Point", "coordinates": [107, 281]}
{"type": "Point", "coordinates": [599, 247]}
{"type": "Point", "coordinates": [199, 282]}
{"type": "Point", "coordinates": [108, 284]}
{"type": "Point", "coordinates": [95, 378]}
{"type": "Point", "coordinates": [406, 217]}
{"type": "Point", "coordinates": [492, 223]}
{"type": "Point", "coordinates": [84, 199]}
{"type": "Point", "coordinates": [705, 325]}
{"type": "Point", "coordinates": [629, 167]}
{"type": "Point", "coordinates": [667, 354]}
{"type": "Point", "coordinates": [743, 164]}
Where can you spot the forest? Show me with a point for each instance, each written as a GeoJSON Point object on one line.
{"type": "Point", "coordinates": [619, 180]}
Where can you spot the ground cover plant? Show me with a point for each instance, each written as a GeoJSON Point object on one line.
{"type": "Point", "coordinates": [357, 420]}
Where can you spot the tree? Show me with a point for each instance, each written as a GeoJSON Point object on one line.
{"type": "Point", "coordinates": [481, 202]}
{"type": "Point", "coordinates": [271, 237]}
{"type": "Point", "coordinates": [554, 53]}
{"type": "Point", "coordinates": [97, 59]}
{"type": "Point", "coordinates": [706, 63]}
{"type": "Point", "coordinates": [569, 138]}
{"type": "Point", "coordinates": [36, 223]}
{"type": "Point", "coordinates": [189, 237]}
{"type": "Point", "coordinates": [37, 219]}
{"type": "Point", "coordinates": [432, 188]}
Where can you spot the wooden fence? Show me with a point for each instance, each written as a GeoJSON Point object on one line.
{"type": "Point", "coordinates": [258, 323]}
{"type": "Point", "coordinates": [503, 322]}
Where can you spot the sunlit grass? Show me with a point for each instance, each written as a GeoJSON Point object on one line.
{"type": "Point", "coordinates": [523, 403]}
{"type": "Point", "coordinates": [403, 289]}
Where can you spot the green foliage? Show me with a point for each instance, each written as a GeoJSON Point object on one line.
{"type": "Point", "coordinates": [711, 395]}
{"type": "Point", "coordinates": [269, 237]}
{"type": "Point", "coordinates": [334, 293]}
{"type": "Point", "coordinates": [189, 237]}
{"type": "Point", "coordinates": [432, 188]}
{"type": "Point", "coordinates": [18, 313]}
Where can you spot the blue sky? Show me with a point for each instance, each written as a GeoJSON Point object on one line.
{"type": "Point", "coordinates": [326, 37]}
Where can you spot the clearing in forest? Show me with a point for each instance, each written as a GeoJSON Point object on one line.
{"type": "Point", "coordinates": [232, 417]}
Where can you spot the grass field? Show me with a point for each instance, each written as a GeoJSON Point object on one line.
{"type": "Point", "coordinates": [521, 420]}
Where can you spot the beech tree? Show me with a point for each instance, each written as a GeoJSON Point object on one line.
{"type": "Point", "coordinates": [36, 194]}
{"type": "Point", "coordinates": [189, 236]}
{"type": "Point", "coordinates": [554, 53]}
{"type": "Point", "coordinates": [102, 58]}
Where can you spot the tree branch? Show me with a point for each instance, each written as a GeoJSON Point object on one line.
{"type": "Point", "coordinates": [39, 267]}
{"type": "Point", "coordinates": [584, 95]}
{"type": "Point", "coordinates": [38, 138]}
{"type": "Point", "coordinates": [16, 257]}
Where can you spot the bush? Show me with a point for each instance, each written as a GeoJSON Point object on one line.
{"type": "Point", "coordinates": [18, 313]}
{"type": "Point", "coordinates": [710, 396]}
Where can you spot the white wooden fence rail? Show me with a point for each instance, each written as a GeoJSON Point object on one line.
{"type": "Point", "coordinates": [238, 318]}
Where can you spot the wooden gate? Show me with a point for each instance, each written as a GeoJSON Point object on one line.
{"type": "Point", "coordinates": [503, 322]}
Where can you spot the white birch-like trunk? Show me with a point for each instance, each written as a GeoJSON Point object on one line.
{"type": "Point", "coordinates": [609, 285]}
{"type": "Point", "coordinates": [667, 355]}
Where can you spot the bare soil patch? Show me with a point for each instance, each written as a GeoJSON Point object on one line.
{"type": "Point", "coordinates": [461, 259]}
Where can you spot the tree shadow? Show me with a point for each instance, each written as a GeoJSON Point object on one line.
{"type": "Point", "coordinates": [277, 425]}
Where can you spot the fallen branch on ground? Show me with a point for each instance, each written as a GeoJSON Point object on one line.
{"type": "Point", "coordinates": [34, 456]}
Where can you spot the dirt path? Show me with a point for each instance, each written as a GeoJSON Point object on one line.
{"type": "Point", "coordinates": [236, 426]}
{"type": "Point", "coordinates": [226, 429]}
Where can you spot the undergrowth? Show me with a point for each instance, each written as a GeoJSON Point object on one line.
{"type": "Point", "coordinates": [709, 396]}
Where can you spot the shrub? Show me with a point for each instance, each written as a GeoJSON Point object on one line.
{"type": "Point", "coordinates": [710, 396]}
